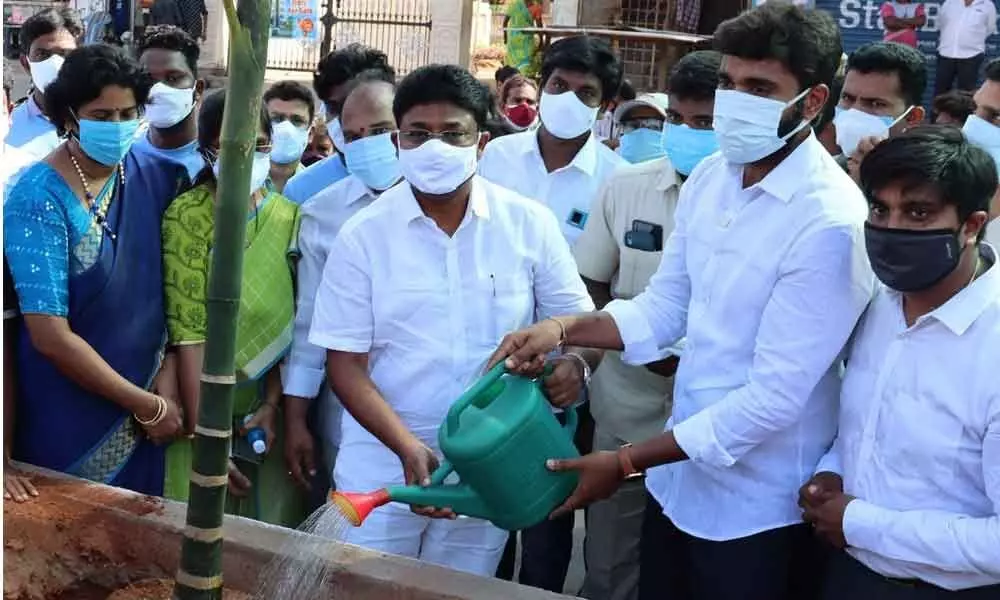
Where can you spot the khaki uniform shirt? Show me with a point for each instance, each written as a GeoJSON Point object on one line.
{"type": "Point", "coordinates": [629, 402]}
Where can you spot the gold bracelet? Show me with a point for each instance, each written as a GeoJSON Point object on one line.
{"type": "Point", "coordinates": [562, 330]}
{"type": "Point", "coordinates": [161, 412]}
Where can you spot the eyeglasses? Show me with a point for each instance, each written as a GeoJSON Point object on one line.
{"type": "Point", "coordinates": [636, 124]}
{"type": "Point", "coordinates": [412, 138]}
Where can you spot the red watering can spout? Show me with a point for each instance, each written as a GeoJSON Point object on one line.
{"type": "Point", "coordinates": [356, 506]}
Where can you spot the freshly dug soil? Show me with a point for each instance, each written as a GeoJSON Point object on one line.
{"type": "Point", "coordinates": [161, 589]}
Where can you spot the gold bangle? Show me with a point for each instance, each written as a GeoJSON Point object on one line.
{"type": "Point", "coordinates": [161, 412]}
{"type": "Point", "coordinates": [562, 330]}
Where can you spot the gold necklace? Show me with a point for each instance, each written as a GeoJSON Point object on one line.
{"type": "Point", "coordinates": [98, 211]}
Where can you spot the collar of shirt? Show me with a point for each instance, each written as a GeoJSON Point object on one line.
{"type": "Point", "coordinates": [962, 310]}
{"type": "Point", "coordinates": [668, 177]}
{"type": "Point", "coordinates": [478, 204]}
{"type": "Point", "coordinates": [34, 110]}
{"type": "Point", "coordinates": [585, 159]}
{"type": "Point", "coordinates": [787, 178]}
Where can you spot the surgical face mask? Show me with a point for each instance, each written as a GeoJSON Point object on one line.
{"type": "Point", "coordinates": [852, 125]}
{"type": "Point", "coordinates": [984, 134]}
{"type": "Point", "coordinates": [747, 126]}
{"type": "Point", "coordinates": [336, 133]}
{"type": "Point", "coordinates": [521, 115]}
{"type": "Point", "coordinates": [437, 168]}
{"type": "Point", "coordinates": [44, 72]}
{"type": "Point", "coordinates": [168, 106]}
{"type": "Point", "coordinates": [258, 172]}
{"type": "Point", "coordinates": [566, 116]}
{"type": "Point", "coordinates": [686, 147]}
{"type": "Point", "coordinates": [288, 141]}
{"type": "Point", "coordinates": [373, 160]}
{"type": "Point", "coordinates": [911, 260]}
{"type": "Point", "coordinates": [641, 145]}
{"type": "Point", "coordinates": [107, 142]}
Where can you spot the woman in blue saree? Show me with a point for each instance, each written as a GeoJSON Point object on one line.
{"type": "Point", "coordinates": [82, 239]}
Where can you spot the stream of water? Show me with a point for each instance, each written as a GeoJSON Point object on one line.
{"type": "Point", "coordinates": [302, 568]}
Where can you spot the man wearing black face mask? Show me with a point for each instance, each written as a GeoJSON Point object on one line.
{"type": "Point", "coordinates": [911, 486]}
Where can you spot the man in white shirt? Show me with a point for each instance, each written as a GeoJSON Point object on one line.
{"type": "Point", "coordinates": [983, 130]}
{"type": "Point", "coordinates": [765, 272]}
{"type": "Point", "coordinates": [562, 164]}
{"type": "Point", "coordinates": [617, 254]}
{"type": "Point", "coordinates": [911, 487]}
{"type": "Point", "coordinates": [417, 290]}
{"type": "Point", "coordinates": [46, 38]}
{"type": "Point", "coordinates": [964, 26]}
{"type": "Point", "coordinates": [368, 124]}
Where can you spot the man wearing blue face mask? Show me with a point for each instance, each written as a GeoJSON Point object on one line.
{"type": "Point", "coordinates": [883, 87]}
{"type": "Point", "coordinates": [983, 130]}
{"type": "Point", "coordinates": [291, 108]}
{"type": "Point", "coordinates": [617, 254]}
{"type": "Point", "coordinates": [641, 122]}
{"type": "Point", "coordinates": [368, 124]}
{"type": "Point", "coordinates": [765, 274]}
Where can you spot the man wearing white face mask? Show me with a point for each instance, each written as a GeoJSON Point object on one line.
{"type": "Point", "coordinates": [417, 288]}
{"type": "Point", "coordinates": [983, 130]}
{"type": "Point", "coordinates": [883, 87]}
{"type": "Point", "coordinates": [766, 274]}
{"type": "Point", "coordinates": [369, 151]}
{"type": "Point", "coordinates": [290, 106]}
{"type": "Point", "coordinates": [46, 38]}
{"type": "Point", "coordinates": [330, 82]}
{"type": "Point", "coordinates": [170, 55]}
{"type": "Point", "coordinates": [563, 164]}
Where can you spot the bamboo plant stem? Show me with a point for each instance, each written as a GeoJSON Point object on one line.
{"type": "Point", "coordinates": [200, 574]}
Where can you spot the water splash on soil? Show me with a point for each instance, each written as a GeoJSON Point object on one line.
{"type": "Point", "coordinates": [303, 568]}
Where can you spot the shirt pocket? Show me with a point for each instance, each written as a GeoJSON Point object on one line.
{"type": "Point", "coordinates": [500, 303]}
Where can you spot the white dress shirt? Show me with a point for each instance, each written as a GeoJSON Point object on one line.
{"type": "Point", "coordinates": [515, 162]}
{"type": "Point", "coordinates": [964, 29]}
{"type": "Point", "coordinates": [919, 442]}
{"type": "Point", "coordinates": [323, 216]}
{"type": "Point", "coordinates": [768, 283]}
{"type": "Point", "coordinates": [430, 309]}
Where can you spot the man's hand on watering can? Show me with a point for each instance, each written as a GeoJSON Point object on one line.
{"type": "Point", "coordinates": [600, 476]}
{"type": "Point", "coordinates": [419, 462]}
{"type": "Point", "coordinates": [563, 385]}
{"type": "Point", "coordinates": [525, 350]}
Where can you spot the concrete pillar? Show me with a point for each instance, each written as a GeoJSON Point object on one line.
{"type": "Point", "coordinates": [566, 12]}
{"type": "Point", "coordinates": [451, 31]}
{"type": "Point", "coordinates": [215, 50]}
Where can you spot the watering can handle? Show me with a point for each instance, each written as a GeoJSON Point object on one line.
{"type": "Point", "coordinates": [442, 472]}
{"type": "Point", "coordinates": [491, 377]}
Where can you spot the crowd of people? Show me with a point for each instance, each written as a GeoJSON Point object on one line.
{"type": "Point", "coordinates": [775, 297]}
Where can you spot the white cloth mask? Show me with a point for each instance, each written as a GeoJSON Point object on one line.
{"type": "Point", "coordinates": [44, 72]}
{"type": "Point", "coordinates": [168, 106]}
{"type": "Point", "coordinates": [436, 168]}
{"type": "Point", "coordinates": [566, 116]}
{"type": "Point", "coordinates": [258, 172]}
{"type": "Point", "coordinates": [747, 125]}
{"type": "Point", "coordinates": [852, 125]}
{"type": "Point", "coordinates": [289, 142]}
{"type": "Point", "coordinates": [336, 133]}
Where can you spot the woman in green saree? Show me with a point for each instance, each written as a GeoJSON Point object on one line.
{"type": "Point", "coordinates": [522, 48]}
{"type": "Point", "coordinates": [259, 485]}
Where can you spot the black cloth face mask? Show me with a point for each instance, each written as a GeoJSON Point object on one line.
{"type": "Point", "coordinates": [910, 260]}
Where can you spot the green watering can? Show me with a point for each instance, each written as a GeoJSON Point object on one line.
{"type": "Point", "coordinates": [496, 437]}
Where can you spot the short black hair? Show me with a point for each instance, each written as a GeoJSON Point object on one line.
{"type": "Point", "coordinates": [958, 104]}
{"type": "Point", "coordinates": [341, 66]}
{"type": "Point", "coordinates": [626, 91]}
{"type": "Point", "coordinates": [513, 83]}
{"type": "Point", "coordinates": [85, 74]}
{"type": "Point", "coordinates": [292, 90]}
{"type": "Point", "coordinates": [992, 70]}
{"type": "Point", "coordinates": [504, 73]}
{"type": "Point", "coordinates": [210, 119]}
{"type": "Point", "coordinates": [585, 54]}
{"type": "Point", "coordinates": [443, 83]}
{"type": "Point", "coordinates": [830, 108]}
{"type": "Point", "coordinates": [695, 76]}
{"type": "Point", "coordinates": [938, 156]}
{"type": "Point", "coordinates": [49, 21]}
{"type": "Point", "coordinates": [890, 57]}
{"type": "Point", "coordinates": [370, 76]}
{"type": "Point", "coordinates": [806, 41]}
{"type": "Point", "coordinates": [170, 37]}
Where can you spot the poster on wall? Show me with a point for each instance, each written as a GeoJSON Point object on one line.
{"type": "Point", "coordinates": [297, 20]}
{"type": "Point", "coordinates": [860, 23]}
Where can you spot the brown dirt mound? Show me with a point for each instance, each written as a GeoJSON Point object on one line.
{"type": "Point", "coordinates": [161, 589]}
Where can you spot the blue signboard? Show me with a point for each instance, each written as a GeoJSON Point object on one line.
{"type": "Point", "coordinates": [860, 23]}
